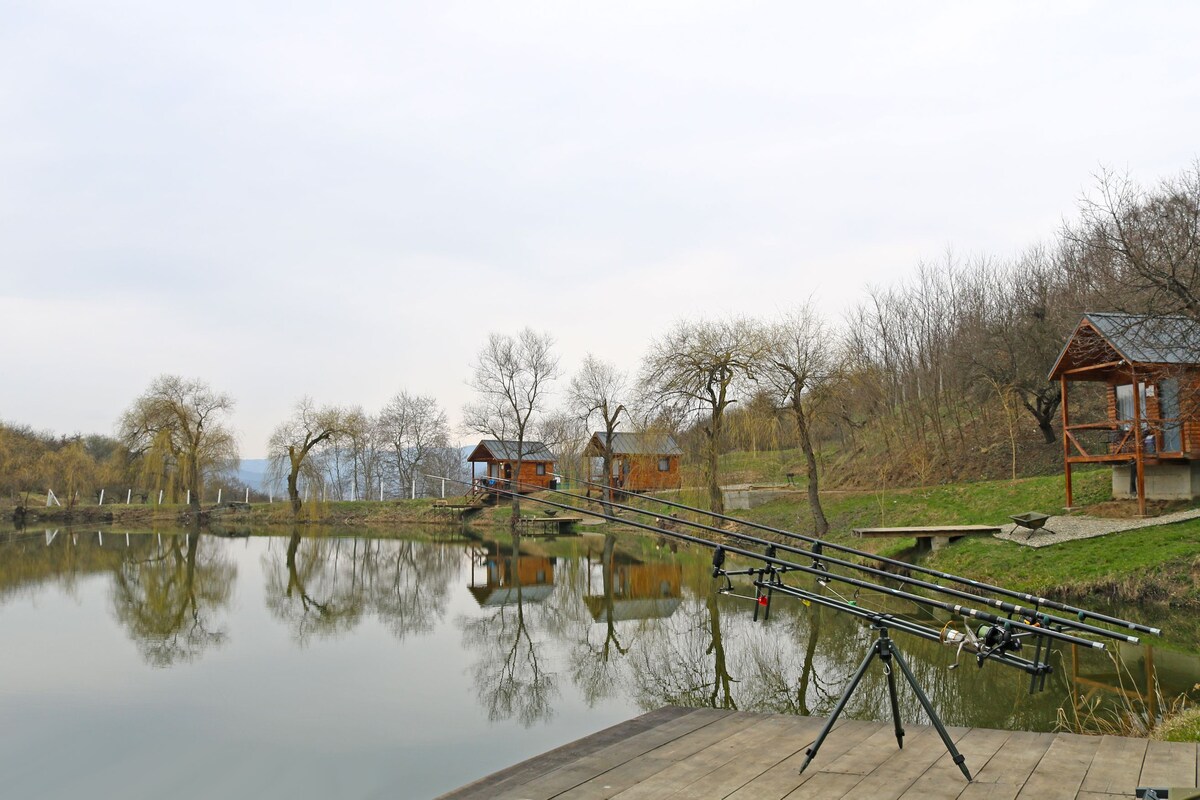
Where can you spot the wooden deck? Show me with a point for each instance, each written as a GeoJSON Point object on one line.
{"type": "Point", "coordinates": [704, 753]}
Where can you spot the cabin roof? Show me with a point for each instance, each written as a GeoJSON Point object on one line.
{"type": "Point", "coordinates": [1134, 338]}
{"type": "Point", "coordinates": [652, 444]}
{"type": "Point", "coordinates": [627, 609]}
{"type": "Point", "coordinates": [497, 450]}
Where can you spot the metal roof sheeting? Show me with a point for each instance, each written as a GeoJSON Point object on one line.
{"type": "Point", "coordinates": [1150, 340]}
{"type": "Point", "coordinates": [652, 444]}
{"type": "Point", "coordinates": [507, 451]}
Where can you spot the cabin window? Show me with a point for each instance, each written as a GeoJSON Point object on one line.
{"type": "Point", "coordinates": [664, 465]}
{"type": "Point", "coordinates": [1125, 402]}
{"type": "Point", "coordinates": [541, 469]}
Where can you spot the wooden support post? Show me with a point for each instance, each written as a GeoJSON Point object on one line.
{"type": "Point", "coordinates": [1138, 452]}
{"type": "Point", "coordinates": [1066, 421]}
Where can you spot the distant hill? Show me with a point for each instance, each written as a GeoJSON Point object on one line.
{"type": "Point", "coordinates": [252, 472]}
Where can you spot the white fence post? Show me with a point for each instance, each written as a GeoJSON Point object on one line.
{"type": "Point", "coordinates": [101, 498]}
{"type": "Point", "coordinates": [160, 493]}
{"type": "Point", "coordinates": [247, 494]}
{"type": "Point", "coordinates": [218, 497]}
{"type": "Point", "coordinates": [414, 497]}
{"type": "Point", "coordinates": [189, 497]}
{"type": "Point", "coordinates": [128, 496]}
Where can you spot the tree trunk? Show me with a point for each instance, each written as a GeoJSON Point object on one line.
{"type": "Point", "coordinates": [716, 500]}
{"type": "Point", "coordinates": [606, 493]}
{"type": "Point", "coordinates": [820, 524]}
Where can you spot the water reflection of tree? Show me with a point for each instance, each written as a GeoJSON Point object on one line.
{"type": "Point", "coordinates": [595, 667]}
{"type": "Point", "coordinates": [781, 675]}
{"type": "Point", "coordinates": [685, 662]}
{"type": "Point", "coordinates": [325, 585]}
{"type": "Point", "coordinates": [168, 599]}
{"type": "Point", "coordinates": [510, 671]}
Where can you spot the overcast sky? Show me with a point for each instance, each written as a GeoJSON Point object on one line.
{"type": "Point", "coordinates": [342, 200]}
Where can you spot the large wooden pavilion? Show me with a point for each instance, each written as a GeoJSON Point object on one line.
{"type": "Point", "coordinates": [1151, 436]}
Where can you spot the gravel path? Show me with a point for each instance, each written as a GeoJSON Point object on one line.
{"type": "Point", "coordinates": [1067, 528]}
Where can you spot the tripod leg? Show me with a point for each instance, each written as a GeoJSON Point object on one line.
{"type": "Point", "coordinates": [958, 757]}
{"type": "Point", "coordinates": [811, 752]}
{"type": "Point", "coordinates": [886, 657]}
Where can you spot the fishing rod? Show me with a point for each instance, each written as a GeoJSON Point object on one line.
{"type": "Point", "coordinates": [1038, 601]}
{"type": "Point", "coordinates": [820, 559]}
{"type": "Point", "coordinates": [997, 641]}
{"type": "Point", "coordinates": [820, 572]}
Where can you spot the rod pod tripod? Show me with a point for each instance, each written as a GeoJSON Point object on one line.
{"type": "Point", "coordinates": [884, 648]}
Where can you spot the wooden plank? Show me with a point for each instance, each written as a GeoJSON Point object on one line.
{"type": "Point", "coordinates": [799, 734]}
{"type": "Point", "coordinates": [570, 775]}
{"type": "Point", "coordinates": [927, 530]}
{"type": "Point", "coordinates": [1006, 772]}
{"type": "Point", "coordinates": [669, 726]}
{"type": "Point", "coordinates": [922, 748]}
{"type": "Point", "coordinates": [1062, 769]}
{"type": "Point", "coordinates": [1169, 764]}
{"type": "Point", "coordinates": [944, 780]}
{"type": "Point", "coordinates": [824, 785]}
{"type": "Point", "coordinates": [489, 785]}
{"type": "Point", "coordinates": [862, 759]}
{"type": "Point", "coordinates": [654, 762]}
{"type": "Point", "coordinates": [724, 766]}
{"type": "Point", "coordinates": [783, 778]}
{"type": "Point", "coordinates": [1116, 766]}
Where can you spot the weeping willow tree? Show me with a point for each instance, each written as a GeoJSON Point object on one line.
{"type": "Point", "coordinates": [176, 433]}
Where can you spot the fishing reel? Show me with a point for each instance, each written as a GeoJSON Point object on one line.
{"type": "Point", "coordinates": [984, 641]}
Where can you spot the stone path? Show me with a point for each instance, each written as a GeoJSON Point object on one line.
{"type": "Point", "coordinates": [1068, 528]}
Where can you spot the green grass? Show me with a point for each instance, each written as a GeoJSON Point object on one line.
{"type": "Point", "coordinates": [980, 503]}
{"type": "Point", "coordinates": [1181, 727]}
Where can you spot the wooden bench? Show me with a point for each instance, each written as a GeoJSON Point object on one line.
{"type": "Point", "coordinates": [929, 537]}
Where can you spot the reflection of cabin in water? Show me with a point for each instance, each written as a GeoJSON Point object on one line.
{"type": "Point", "coordinates": [641, 462]}
{"type": "Point", "coordinates": [639, 591]}
{"type": "Point", "coordinates": [494, 582]}
{"type": "Point", "coordinates": [1151, 436]}
{"type": "Point", "coordinates": [500, 460]}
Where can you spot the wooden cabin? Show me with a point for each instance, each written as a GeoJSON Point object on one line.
{"type": "Point", "coordinates": [1151, 436]}
{"type": "Point", "coordinates": [500, 461]}
{"type": "Point", "coordinates": [507, 579]}
{"type": "Point", "coordinates": [636, 590]}
{"type": "Point", "coordinates": [641, 462]}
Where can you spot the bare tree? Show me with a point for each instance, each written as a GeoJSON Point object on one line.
{"type": "Point", "coordinates": [799, 357]}
{"type": "Point", "coordinates": [701, 368]}
{"type": "Point", "coordinates": [181, 423]}
{"type": "Point", "coordinates": [1142, 246]}
{"type": "Point", "coordinates": [414, 427]}
{"type": "Point", "coordinates": [512, 376]}
{"type": "Point", "coordinates": [596, 394]}
{"type": "Point", "coordinates": [290, 445]}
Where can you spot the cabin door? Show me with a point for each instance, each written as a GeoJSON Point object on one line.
{"type": "Point", "coordinates": [1168, 404]}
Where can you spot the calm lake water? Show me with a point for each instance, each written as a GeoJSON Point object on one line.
{"type": "Point", "coordinates": [170, 664]}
